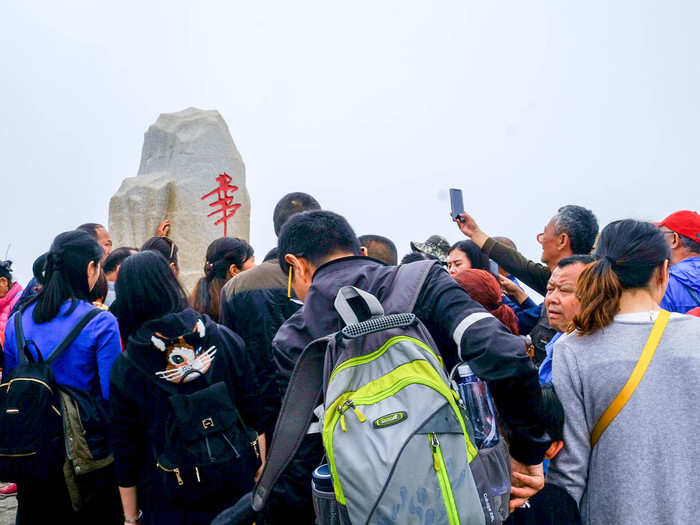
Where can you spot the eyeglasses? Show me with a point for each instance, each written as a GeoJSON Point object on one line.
{"type": "Point", "coordinates": [670, 232]}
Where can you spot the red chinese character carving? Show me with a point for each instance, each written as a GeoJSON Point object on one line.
{"type": "Point", "coordinates": [224, 200]}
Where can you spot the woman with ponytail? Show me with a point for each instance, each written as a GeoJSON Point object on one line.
{"type": "Point", "coordinates": [629, 454]}
{"type": "Point", "coordinates": [226, 258]}
{"type": "Point", "coordinates": [70, 272]}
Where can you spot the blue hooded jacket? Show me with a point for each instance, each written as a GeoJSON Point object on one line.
{"type": "Point", "coordinates": [682, 284]}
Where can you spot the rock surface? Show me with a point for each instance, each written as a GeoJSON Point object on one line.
{"type": "Point", "coordinates": [189, 169]}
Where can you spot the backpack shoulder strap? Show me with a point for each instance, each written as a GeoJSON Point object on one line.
{"type": "Point", "coordinates": [302, 396]}
{"type": "Point", "coordinates": [65, 343]}
{"type": "Point", "coordinates": [73, 334]}
{"type": "Point", "coordinates": [407, 286]}
{"type": "Point", "coordinates": [633, 382]}
{"type": "Point", "coordinates": [149, 376]}
{"type": "Point", "coordinates": [19, 337]}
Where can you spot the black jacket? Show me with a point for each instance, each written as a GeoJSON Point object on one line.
{"type": "Point", "coordinates": [254, 304]}
{"type": "Point", "coordinates": [140, 409]}
{"type": "Point", "coordinates": [449, 314]}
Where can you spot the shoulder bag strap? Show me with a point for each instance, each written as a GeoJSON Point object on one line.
{"type": "Point", "coordinates": [73, 334]}
{"type": "Point", "coordinates": [302, 396]}
{"type": "Point", "coordinates": [637, 374]}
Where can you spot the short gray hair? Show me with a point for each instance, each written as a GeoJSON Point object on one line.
{"type": "Point", "coordinates": [581, 226]}
{"type": "Point", "coordinates": [689, 243]}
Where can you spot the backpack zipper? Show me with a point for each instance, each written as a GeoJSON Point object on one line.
{"type": "Point", "coordinates": [229, 444]}
{"type": "Point", "coordinates": [444, 480]}
{"type": "Point", "coordinates": [337, 415]}
{"type": "Point", "coordinates": [343, 408]}
{"type": "Point", "coordinates": [9, 383]}
{"type": "Point", "coordinates": [175, 471]}
{"type": "Point", "coordinates": [361, 360]}
{"type": "Point", "coordinates": [25, 454]}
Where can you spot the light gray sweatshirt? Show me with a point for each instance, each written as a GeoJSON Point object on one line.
{"type": "Point", "coordinates": [646, 466]}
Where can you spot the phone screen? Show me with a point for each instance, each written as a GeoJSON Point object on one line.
{"type": "Point", "coordinates": [456, 203]}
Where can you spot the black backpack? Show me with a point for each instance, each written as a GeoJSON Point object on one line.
{"type": "Point", "coordinates": [31, 423]}
{"type": "Point", "coordinates": [208, 451]}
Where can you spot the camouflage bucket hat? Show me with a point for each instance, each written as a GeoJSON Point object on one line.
{"type": "Point", "coordinates": [435, 245]}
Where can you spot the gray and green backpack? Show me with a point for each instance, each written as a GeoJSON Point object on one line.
{"type": "Point", "coordinates": [393, 427]}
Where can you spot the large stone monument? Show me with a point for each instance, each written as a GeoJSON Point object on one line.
{"type": "Point", "coordinates": [191, 174]}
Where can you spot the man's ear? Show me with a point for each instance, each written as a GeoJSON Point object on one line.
{"type": "Point", "coordinates": [303, 270]}
{"type": "Point", "coordinates": [675, 241]}
{"type": "Point", "coordinates": [563, 241]}
{"type": "Point", "coordinates": [363, 251]}
{"type": "Point", "coordinates": [554, 449]}
{"type": "Point", "coordinates": [292, 260]}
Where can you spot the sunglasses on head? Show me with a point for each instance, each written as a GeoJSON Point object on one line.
{"type": "Point", "coordinates": [172, 247]}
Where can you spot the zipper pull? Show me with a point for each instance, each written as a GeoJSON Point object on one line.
{"type": "Point", "coordinates": [196, 471]}
{"type": "Point", "coordinates": [434, 444]}
{"type": "Point", "coordinates": [342, 423]}
{"type": "Point", "coordinates": [177, 475]}
{"type": "Point", "coordinates": [359, 414]}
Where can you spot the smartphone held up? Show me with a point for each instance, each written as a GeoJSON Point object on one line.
{"type": "Point", "coordinates": [457, 204]}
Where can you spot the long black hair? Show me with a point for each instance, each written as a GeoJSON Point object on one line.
{"type": "Point", "coordinates": [221, 254]}
{"type": "Point", "coordinates": [627, 255]}
{"type": "Point", "coordinates": [478, 259]}
{"type": "Point", "coordinates": [65, 273]}
{"type": "Point", "coordinates": [146, 289]}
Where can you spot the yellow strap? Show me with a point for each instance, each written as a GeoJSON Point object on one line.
{"type": "Point", "coordinates": [637, 374]}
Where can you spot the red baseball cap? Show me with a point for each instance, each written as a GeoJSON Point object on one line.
{"type": "Point", "coordinates": [685, 222]}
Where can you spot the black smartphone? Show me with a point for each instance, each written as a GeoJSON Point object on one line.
{"type": "Point", "coordinates": [456, 203]}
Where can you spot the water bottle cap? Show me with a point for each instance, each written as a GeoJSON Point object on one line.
{"type": "Point", "coordinates": [464, 370]}
{"type": "Point", "coordinates": [321, 478]}
{"type": "Point", "coordinates": [322, 472]}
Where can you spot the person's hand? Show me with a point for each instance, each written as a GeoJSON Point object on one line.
{"type": "Point", "coordinates": [526, 481]}
{"type": "Point", "coordinates": [256, 478]}
{"type": "Point", "coordinates": [163, 228]}
{"type": "Point", "coordinates": [470, 228]}
{"type": "Point", "coordinates": [511, 289]}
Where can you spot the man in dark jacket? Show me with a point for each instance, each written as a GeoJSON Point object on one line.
{"type": "Point", "coordinates": [254, 304]}
{"type": "Point", "coordinates": [572, 231]}
{"type": "Point", "coordinates": [322, 252]}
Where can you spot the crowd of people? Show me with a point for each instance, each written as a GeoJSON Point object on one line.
{"type": "Point", "coordinates": [594, 388]}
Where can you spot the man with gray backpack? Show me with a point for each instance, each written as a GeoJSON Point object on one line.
{"type": "Point", "coordinates": [378, 340]}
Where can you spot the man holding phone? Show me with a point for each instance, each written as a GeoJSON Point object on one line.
{"type": "Point", "coordinates": [572, 231]}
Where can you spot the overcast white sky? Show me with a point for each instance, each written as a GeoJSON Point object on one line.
{"type": "Point", "coordinates": [375, 107]}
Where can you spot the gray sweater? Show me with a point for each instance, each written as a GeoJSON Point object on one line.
{"type": "Point", "coordinates": [646, 466]}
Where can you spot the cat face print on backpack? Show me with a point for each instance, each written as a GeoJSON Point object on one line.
{"type": "Point", "coordinates": [184, 354]}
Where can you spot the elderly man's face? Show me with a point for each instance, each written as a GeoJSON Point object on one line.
{"type": "Point", "coordinates": [104, 240]}
{"type": "Point", "coordinates": [548, 240]}
{"type": "Point", "coordinates": [560, 302]}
